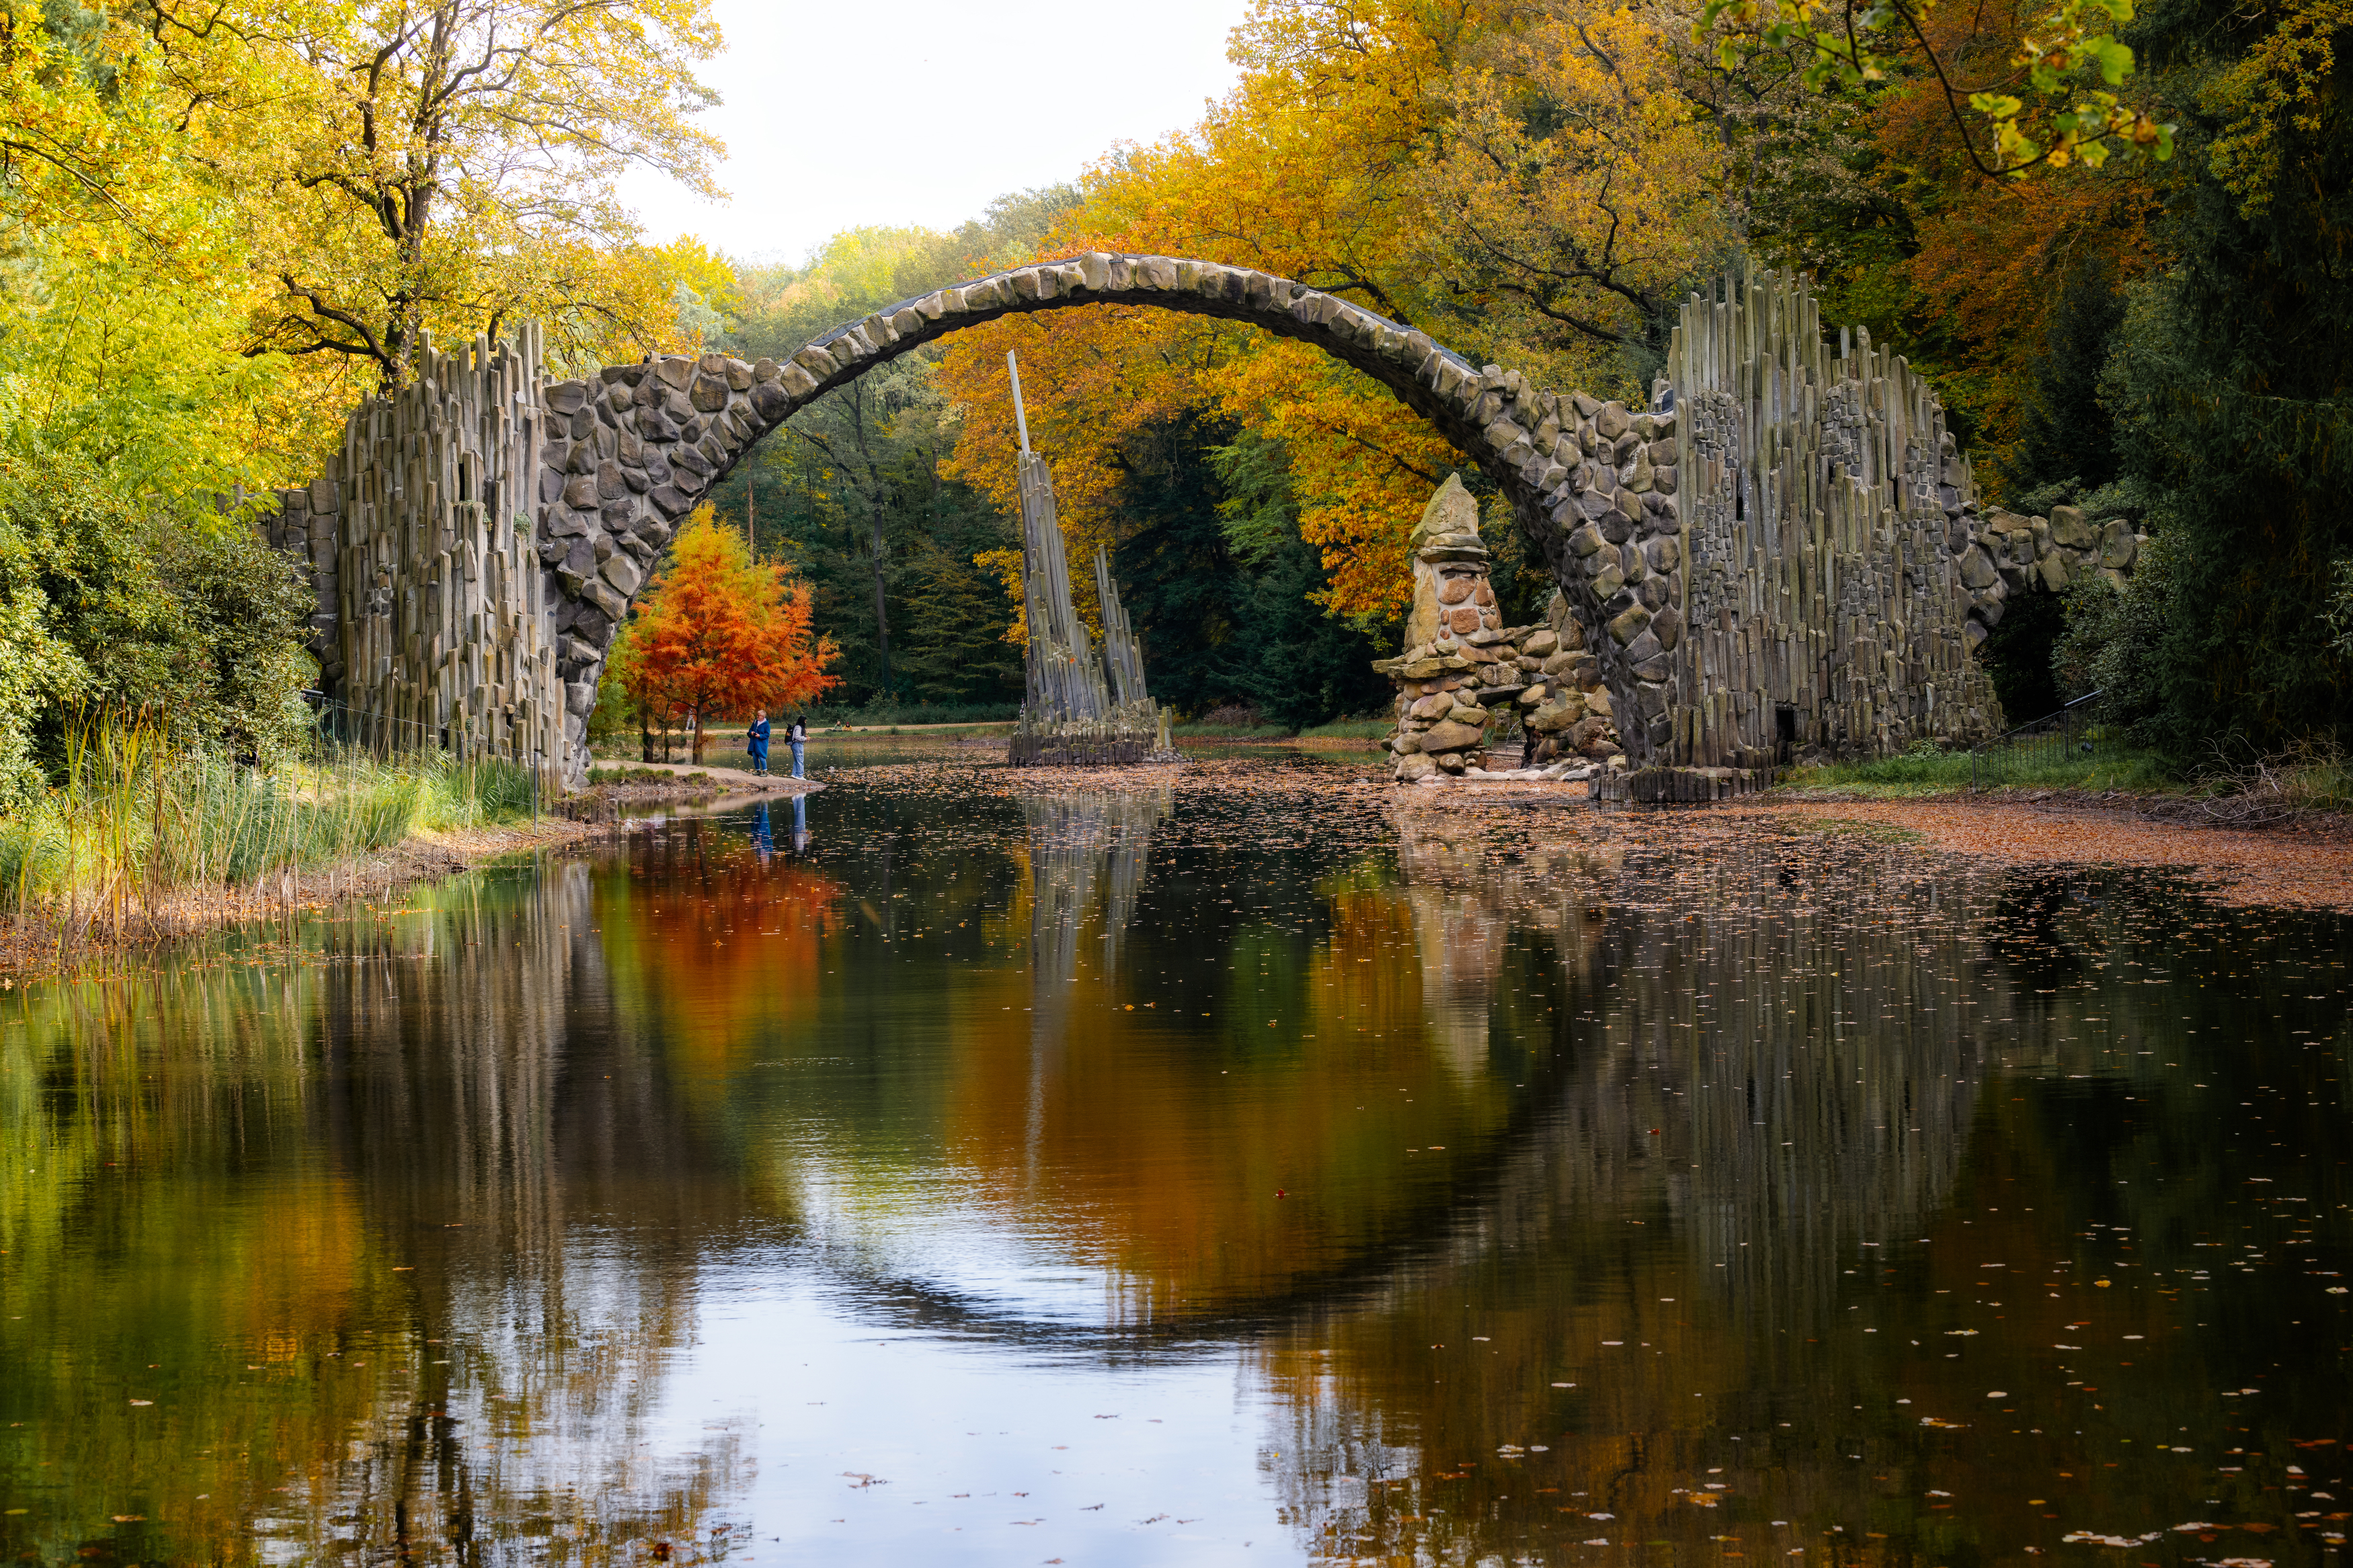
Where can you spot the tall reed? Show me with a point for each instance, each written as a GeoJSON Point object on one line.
{"type": "Point", "coordinates": [139, 827]}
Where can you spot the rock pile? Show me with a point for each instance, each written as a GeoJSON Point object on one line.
{"type": "Point", "coordinates": [1464, 673]}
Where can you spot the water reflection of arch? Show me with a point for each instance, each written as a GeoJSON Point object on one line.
{"type": "Point", "coordinates": [1701, 986]}
{"type": "Point", "coordinates": [1747, 1055]}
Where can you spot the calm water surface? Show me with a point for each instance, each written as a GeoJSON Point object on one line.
{"type": "Point", "coordinates": [1242, 1170]}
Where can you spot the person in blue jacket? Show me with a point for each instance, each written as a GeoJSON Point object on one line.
{"type": "Point", "coordinates": [757, 740]}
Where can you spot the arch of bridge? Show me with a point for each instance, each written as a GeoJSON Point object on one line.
{"type": "Point", "coordinates": [626, 454]}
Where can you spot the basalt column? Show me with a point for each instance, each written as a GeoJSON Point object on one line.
{"type": "Point", "coordinates": [432, 628]}
{"type": "Point", "coordinates": [1823, 506]}
{"type": "Point", "coordinates": [1082, 706]}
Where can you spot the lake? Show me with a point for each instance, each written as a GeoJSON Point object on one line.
{"type": "Point", "coordinates": [1255, 1165]}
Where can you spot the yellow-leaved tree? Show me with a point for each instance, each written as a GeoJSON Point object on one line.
{"type": "Point", "coordinates": [448, 167]}
{"type": "Point", "coordinates": [1527, 182]}
{"type": "Point", "coordinates": [228, 219]}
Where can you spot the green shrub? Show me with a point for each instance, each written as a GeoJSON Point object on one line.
{"type": "Point", "coordinates": [109, 604]}
{"type": "Point", "coordinates": [2112, 643]}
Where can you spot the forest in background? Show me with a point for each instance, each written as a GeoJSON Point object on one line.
{"type": "Point", "coordinates": [220, 223]}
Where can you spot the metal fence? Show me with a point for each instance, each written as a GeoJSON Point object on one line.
{"type": "Point", "coordinates": [2074, 731]}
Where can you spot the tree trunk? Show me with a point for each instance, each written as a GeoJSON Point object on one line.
{"type": "Point", "coordinates": [645, 735]}
{"type": "Point", "coordinates": [698, 735]}
{"type": "Point", "coordinates": [881, 614]}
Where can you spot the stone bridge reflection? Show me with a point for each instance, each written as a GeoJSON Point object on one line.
{"type": "Point", "coordinates": [1657, 1112]}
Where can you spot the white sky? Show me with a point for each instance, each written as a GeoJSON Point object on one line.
{"type": "Point", "coordinates": [839, 114]}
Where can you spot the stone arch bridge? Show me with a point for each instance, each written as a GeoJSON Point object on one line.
{"type": "Point", "coordinates": [1779, 550]}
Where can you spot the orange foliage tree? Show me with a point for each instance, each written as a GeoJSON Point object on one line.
{"type": "Point", "coordinates": [1522, 182]}
{"type": "Point", "coordinates": [718, 634]}
{"type": "Point", "coordinates": [1991, 258]}
{"type": "Point", "coordinates": [1363, 465]}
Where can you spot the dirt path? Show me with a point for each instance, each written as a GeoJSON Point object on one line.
{"type": "Point", "coordinates": [735, 781]}
{"type": "Point", "coordinates": [2304, 868]}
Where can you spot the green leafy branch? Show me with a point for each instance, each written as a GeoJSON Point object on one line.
{"type": "Point", "coordinates": [2065, 109]}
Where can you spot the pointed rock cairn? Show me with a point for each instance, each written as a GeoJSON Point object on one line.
{"type": "Point", "coordinates": [1464, 676]}
{"type": "Point", "coordinates": [1085, 707]}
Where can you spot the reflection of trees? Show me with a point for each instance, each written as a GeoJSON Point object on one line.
{"type": "Point", "coordinates": [447, 1348]}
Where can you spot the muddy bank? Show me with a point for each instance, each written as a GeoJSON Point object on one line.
{"type": "Point", "coordinates": [2304, 862]}
{"type": "Point", "coordinates": [672, 783]}
{"type": "Point", "coordinates": [47, 945]}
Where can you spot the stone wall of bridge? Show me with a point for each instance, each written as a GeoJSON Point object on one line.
{"type": "Point", "coordinates": [1780, 541]}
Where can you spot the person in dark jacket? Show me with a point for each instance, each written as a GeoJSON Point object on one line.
{"type": "Point", "coordinates": [757, 739]}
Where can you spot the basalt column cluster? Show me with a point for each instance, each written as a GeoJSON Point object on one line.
{"type": "Point", "coordinates": [1824, 507]}
{"type": "Point", "coordinates": [432, 627]}
{"type": "Point", "coordinates": [1084, 705]}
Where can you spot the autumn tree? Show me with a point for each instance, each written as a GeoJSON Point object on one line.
{"type": "Point", "coordinates": [449, 167]}
{"type": "Point", "coordinates": [1527, 184]}
{"type": "Point", "coordinates": [717, 633]}
{"type": "Point", "coordinates": [1574, 191]}
{"type": "Point", "coordinates": [852, 490]}
{"type": "Point", "coordinates": [124, 298]}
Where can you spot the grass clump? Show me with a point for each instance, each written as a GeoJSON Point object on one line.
{"type": "Point", "coordinates": [1201, 729]}
{"type": "Point", "coordinates": [1927, 771]}
{"type": "Point", "coordinates": [137, 822]}
{"type": "Point", "coordinates": [2311, 775]}
{"type": "Point", "coordinates": [2318, 779]}
{"type": "Point", "coordinates": [1349, 730]}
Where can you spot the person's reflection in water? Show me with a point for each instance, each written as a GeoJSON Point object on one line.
{"type": "Point", "coordinates": [800, 824]}
{"type": "Point", "coordinates": [762, 840]}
